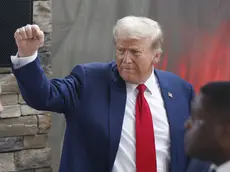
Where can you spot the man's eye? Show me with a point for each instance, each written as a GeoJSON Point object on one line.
{"type": "Point", "coordinates": [120, 51]}
{"type": "Point", "coordinates": [136, 52]}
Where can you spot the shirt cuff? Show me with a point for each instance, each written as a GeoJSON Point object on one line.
{"type": "Point", "coordinates": [22, 61]}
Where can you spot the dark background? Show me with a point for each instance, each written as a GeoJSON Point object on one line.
{"type": "Point", "coordinates": [13, 15]}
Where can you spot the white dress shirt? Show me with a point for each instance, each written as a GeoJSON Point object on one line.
{"type": "Point", "coordinates": [125, 158]}
{"type": "Point", "coordinates": [20, 62]}
{"type": "Point", "coordinates": [222, 168]}
{"type": "Point", "coordinates": [126, 155]}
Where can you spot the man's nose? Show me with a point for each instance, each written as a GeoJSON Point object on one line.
{"type": "Point", "coordinates": [127, 57]}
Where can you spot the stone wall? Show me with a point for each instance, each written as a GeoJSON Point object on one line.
{"type": "Point", "coordinates": [23, 130]}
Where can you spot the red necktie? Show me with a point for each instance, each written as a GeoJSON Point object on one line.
{"type": "Point", "coordinates": [145, 142]}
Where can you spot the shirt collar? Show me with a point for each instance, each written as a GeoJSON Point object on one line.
{"type": "Point", "coordinates": [150, 84]}
{"type": "Point", "coordinates": [224, 167]}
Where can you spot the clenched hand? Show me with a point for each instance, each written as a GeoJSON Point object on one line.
{"type": "Point", "coordinates": [28, 39]}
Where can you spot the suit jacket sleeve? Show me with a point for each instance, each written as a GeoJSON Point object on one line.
{"type": "Point", "coordinates": [41, 93]}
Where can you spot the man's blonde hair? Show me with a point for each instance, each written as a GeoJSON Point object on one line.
{"type": "Point", "coordinates": [132, 27]}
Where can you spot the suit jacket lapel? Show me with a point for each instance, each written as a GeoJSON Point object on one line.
{"type": "Point", "coordinates": [169, 98]}
{"type": "Point", "coordinates": [116, 112]}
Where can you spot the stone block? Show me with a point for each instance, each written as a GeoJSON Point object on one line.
{"type": "Point", "coordinates": [11, 111]}
{"type": "Point", "coordinates": [43, 170]}
{"type": "Point", "coordinates": [21, 100]}
{"type": "Point", "coordinates": [9, 87]}
{"type": "Point", "coordinates": [45, 50]}
{"type": "Point", "coordinates": [11, 144]}
{"type": "Point", "coordinates": [44, 123]}
{"type": "Point", "coordinates": [48, 71]}
{"type": "Point", "coordinates": [45, 57]}
{"type": "Point", "coordinates": [20, 126]}
{"type": "Point", "coordinates": [36, 141]}
{"type": "Point", "coordinates": [5, 77]}
{"type": "Point", "coordinates": [5, 70]}
{"type": "Point", "coordinates": [7, 162]}
{"type": "Point", "coordinates": [9, 99]}
{"type": "Point", "coordinates": [27, 110]}
{"type": "Point", "coordinates": [8, 83]}
{"type": "Point", "coordinates": [42, 15]}
{"type": "Point", "coordinates": [47, 44]}
{"type": "Point", "coordinates": [33, 158]}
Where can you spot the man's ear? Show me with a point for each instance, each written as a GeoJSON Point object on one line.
{"type": "Point", "coordinates": [224, 134]}
{"type": "Point", "coordinates": [156, 57]}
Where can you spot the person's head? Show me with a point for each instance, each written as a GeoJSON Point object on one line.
{"type": "Point", "coordinates": [208, 129]}
{"type": "Point", "coordinates": [138, 43]}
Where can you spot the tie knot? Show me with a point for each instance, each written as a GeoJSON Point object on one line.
{"type": "Point", "coordinates": [141, 88]}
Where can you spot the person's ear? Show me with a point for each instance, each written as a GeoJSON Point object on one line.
{"type": "Point", "coordinates": [156, 57]}
{"type": "Point", "coordinates": [224, 135]}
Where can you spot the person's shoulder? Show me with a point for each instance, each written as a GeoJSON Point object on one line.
{"type": "Point", "coordinates": [175, 82]}
{"type": "Point", "coordinates": [94, 67]}
{"type": "Point", "coordinates": [196, 165]}
{"type": "Point", "coordinates": [171, 77]}
{"type": "Point", "coordinates": [99, 65]}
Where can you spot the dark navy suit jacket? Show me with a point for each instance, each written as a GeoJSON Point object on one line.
{"type": "Point", "coordinates": [198, 166]}
{"type": "Point", "coordinates": [93, 99]}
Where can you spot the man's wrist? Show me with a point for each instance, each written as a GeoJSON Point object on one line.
{"type": "Point", "coordinates": [20, 62]}
{"type": "Point", "coordinates": [21, 55]}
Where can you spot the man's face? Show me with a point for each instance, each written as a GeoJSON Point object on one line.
{"type": "Point", "coordinates": [135, 59]}
{"type": "Point", "coordinates": [201, 138]}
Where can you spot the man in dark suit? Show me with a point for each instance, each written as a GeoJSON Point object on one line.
{"type": "Point", "coordinates": [122, 116]}
{"type": "Point", "coordinates": [208, 129]}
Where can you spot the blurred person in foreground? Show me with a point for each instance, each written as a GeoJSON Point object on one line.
{"type": "Point", "coordinates": [121, 116]}
{"type": "Point", "coordinates": [208, 129]}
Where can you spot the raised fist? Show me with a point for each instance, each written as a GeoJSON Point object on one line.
{"type": "Point", "coordinates": [28, 39]}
